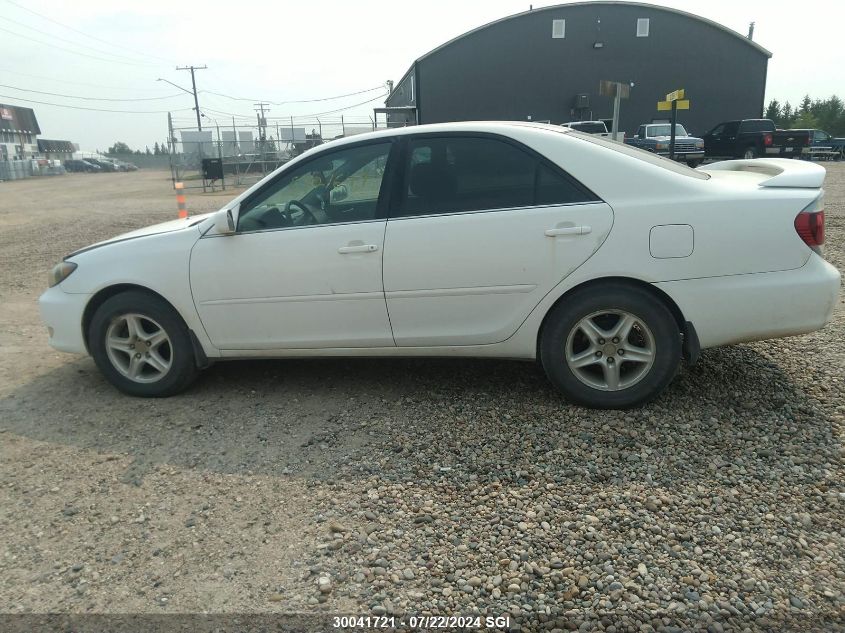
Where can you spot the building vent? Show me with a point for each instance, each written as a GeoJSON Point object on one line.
{"type": "Point", "coordinates": [642, 27]}
{"type": "Point", "coordinates": [558, 29]}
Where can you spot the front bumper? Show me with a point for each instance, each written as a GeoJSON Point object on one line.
{"type": "Point", "coordinates": [696, 155]}
{"type": "Point", "coordinates": [62, 314]}
{"type": "Point", "coordinates": [740, 308]}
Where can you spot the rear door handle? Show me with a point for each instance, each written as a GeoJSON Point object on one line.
{"type": "Point", "coordinates": [569, 230]}
{"type": "Point", "coordinates": [358, 248]}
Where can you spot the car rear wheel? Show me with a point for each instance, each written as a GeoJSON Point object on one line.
{"type": "Point", "coordinates": [142, 345]}
{"type": "Point", "coordinates": [611, 346]}
{"type": "Point", "coordinates": [750, 152]}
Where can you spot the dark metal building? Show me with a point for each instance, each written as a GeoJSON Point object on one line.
{"type": "Point", "coordinates": [546, 64]}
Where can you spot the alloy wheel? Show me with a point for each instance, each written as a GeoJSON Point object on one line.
{"type": "Point", "coordinates": [139, 348]}
{"type": "Point", "coordinates": [610, 350]}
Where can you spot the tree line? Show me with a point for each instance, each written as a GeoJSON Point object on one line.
{"type": "Point", "coordinates": [122, 148]}
{"type": "Point", "coordinates": [823, 114]}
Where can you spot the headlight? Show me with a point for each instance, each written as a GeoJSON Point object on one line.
{"type": "Point", "coordinates": [662, 146]}
{"type": "Point", "coordinates": [60, 272]}
{"type": "Point", "coordinates": [699, 144]}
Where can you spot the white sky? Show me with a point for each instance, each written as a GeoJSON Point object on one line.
{"type": "Point", "coordinates": [283, 50]}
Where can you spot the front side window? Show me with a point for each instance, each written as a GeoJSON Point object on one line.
{"type": "Point", "coordinates": [460, 174]}
{"type": "Point", "coordinates": [340, 186]}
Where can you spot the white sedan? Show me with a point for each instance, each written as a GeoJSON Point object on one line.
{"type": "Point", "coordinates": [506, 240]}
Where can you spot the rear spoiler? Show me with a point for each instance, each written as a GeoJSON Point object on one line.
{"type": "Point", "coordinates": [783, 172]}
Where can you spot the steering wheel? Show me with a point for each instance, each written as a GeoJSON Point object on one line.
{"type": "Point", "coordinates": [300, 206]}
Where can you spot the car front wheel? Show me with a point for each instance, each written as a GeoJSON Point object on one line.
{"type": "Point", "coordinates": [142, 345]}
{"type": "Point", "coordinates": [611, 346]}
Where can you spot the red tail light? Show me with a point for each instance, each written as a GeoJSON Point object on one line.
{"type": "Point", "coordinates": [767, 139]}
{"type": "Point", "coordinates": [810, 227]}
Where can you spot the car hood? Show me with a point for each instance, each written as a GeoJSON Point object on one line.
{"type": "Point", "coordinates": [155, 229]}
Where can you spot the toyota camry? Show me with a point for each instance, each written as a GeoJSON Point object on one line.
{"type": "Point", "coordinates": [607, 264]}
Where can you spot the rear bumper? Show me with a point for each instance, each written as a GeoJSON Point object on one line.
{"type": "Point", "coordinates": [62, 314]}
{"type": "Point", "coordinates": [741, 308]}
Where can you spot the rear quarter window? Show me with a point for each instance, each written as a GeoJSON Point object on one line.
{"type": "Point", "coordinates": [643, 155]}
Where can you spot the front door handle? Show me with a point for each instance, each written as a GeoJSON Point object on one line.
{"type": "Point", "coordinates": [569, 230]}
{"type": "Point", "coordinates": [358, 248]}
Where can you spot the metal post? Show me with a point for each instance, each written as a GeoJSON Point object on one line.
{"type": "Point", "coordinates": [617, 102]}
{"type": "Point", "coordinates": [220, 156]}
{"type": "Point", "coordinates": [171, 148]}
{"type": "Point", "coordinates": [292, 134]}
{"type": "Point", "coordinates": [342, 126]}
{"type": "Point", "coordinates": [672, 131]}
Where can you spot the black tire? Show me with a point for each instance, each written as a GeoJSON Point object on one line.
{"type": "Point", "coordinates": [178, 349]}
{"type": "Point", "coordinates": [693, 163]}
{"type": "Point", "coordinates": [750, 152]}
{"type": "Point", "coordinates": [563, 321]}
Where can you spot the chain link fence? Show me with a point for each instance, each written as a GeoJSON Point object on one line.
{"type": "Point", "coordinates": [236, 154]}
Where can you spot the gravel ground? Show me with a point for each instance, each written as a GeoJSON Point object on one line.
{"type": "Point", "coordinates": [419, 486]}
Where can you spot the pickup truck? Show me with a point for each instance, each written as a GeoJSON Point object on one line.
{"type": "Point", "coordinates": [823, 146]}
{"type": "Point", "coordinates": [751, 138]}
{"type": "Point", "coordinates": [592, 127]}
{"type": "Point", "coordinates": [655, 137]}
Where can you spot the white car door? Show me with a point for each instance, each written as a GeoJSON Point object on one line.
{"type": "Point", "coordinates": [482, 230]}
{"type": "Point", "coordinates": [304, 268]}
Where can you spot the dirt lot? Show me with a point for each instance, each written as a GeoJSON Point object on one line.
{"type": "Point", "coordinates": [424, 486]}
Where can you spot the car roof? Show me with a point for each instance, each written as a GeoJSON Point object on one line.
{"type": "Point", "coordinates": [491, 127]}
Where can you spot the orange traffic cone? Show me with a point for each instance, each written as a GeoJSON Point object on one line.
{"type": "Point", "coordinates": [180, 200]}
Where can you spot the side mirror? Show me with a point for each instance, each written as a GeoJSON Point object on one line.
{"type": "Point", "coordinates": [224, 222]}
{"type": "Point", "coordinates": [338, 194]}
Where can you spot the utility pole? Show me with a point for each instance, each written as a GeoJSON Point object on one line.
{"type": "Point", "coordinates": [262, 129]}
{"type": "Point", "coordinates": [194, 86]}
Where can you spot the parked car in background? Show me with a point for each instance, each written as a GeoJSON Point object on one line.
{"type": "Point", "coordinates": [79, 165]}
{"type": "Point", "coordinates": [124, 166]}
{"type": "Point", "coordinates": [655, 137]}
{"type": "Point", "coordinates": [105, 165]}
{"type": "Point", "coordinates": [823, 146]}
{"type": "Point", "coordinates": [599, 128]}
{"type": "Point", "coordinates": [491, 239]}
{"type": "Point", "coordinates": [752, 138]}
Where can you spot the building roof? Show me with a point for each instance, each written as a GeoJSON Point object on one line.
{"type": "Point", "coordinates": [18, 119]}
{"type": "Point", "coordinates": [645, 5]}
{"type": "Point", "coordinates": [47, 145]}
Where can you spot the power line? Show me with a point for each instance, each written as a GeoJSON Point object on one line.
{"type": "Point", "coordinates": [298, 116]}
{"type": "Point", "coordinates": [65, 81]}
{"type": "Point", "coordinates": [354, 105]}
{"type": "Point", "coordinates": [62, 48]}
{"type": "Point", "coordinates": [350, 94]}
{"type": "Point", "coordinates": [63, 39]}
{"type": "Point", "coordinates": [70, 28]}
{"type": "Point", "coordinates": [73, 107]}
{"type": "Point", "coordinates": [56, 94]}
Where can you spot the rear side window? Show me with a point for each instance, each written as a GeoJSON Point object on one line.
{"type": "Point", "coordinates": [761, 125]}
{"type": "Point", "coordinates": [458, 174]}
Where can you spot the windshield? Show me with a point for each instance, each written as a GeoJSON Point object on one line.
{"type": "Point", "coordinates": [643, 155]}
{"type": "Point", "coordinates": [665, 130]}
